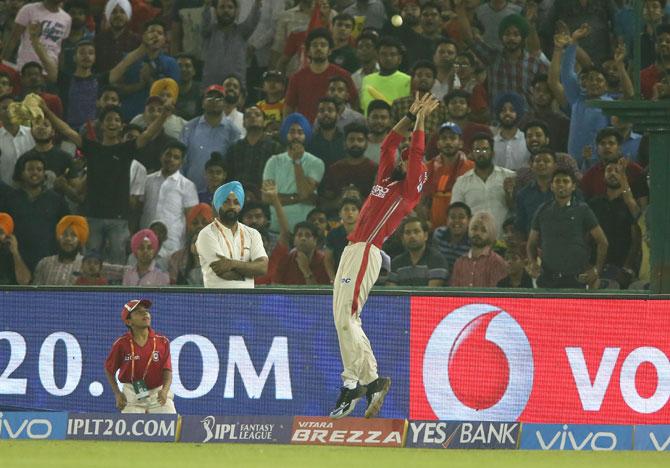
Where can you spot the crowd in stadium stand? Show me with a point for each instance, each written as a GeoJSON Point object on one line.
{"type": "Point", "coordinates": [120, 119]}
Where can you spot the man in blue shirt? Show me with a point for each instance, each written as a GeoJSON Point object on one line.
{"type": "Point", "coordinates": [538, 191]}
{"type": "Point", "coordinates": [585, 120]}
{"type": "Point", "coordinates": [206, 134]}
{"type": "Point", "coordinates": [141, 67]}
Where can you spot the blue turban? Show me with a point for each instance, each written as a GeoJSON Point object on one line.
{"type": "Point", "coordinates": [517, 101]}
{"type": "Point", "coordinates": [221, 194]}
{"type": "Point", "coordinates": [295, 118]}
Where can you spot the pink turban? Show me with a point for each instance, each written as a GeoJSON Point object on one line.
{"type": "Point", "coordinates": [142, 235]}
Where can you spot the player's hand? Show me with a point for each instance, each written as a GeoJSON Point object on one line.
{"type": "Point", "coordinates": [121, 401]}
{"type": "Point", "coordinates": [416, 105]}
{"type": "Point", "coordinates": [428, 104]}
{"type": "Point", "coordinates": [162, 396]}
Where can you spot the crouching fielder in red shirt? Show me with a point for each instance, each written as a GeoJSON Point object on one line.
{"type": "Point", "coordinates": [142, 358]}
{"type": "Point", "coordinates": [396, 192]}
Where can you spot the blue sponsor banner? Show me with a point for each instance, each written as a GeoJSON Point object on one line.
{"type": "Point", "coordinates": [33, 425]}
{"type": "Point", "coordinates": [232, 353]}
{"type": "Point", "coordinates": [238, 429]}
{"type": "Point", "coordinates": [655, 438]}
{"type": "Point", "coordinates": [462, 435]}
{"type": "Point", "coordinates": [576, 437]}
{"type": "Point", "coordinates": [135, 427]}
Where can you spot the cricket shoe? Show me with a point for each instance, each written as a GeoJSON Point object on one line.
{"type": "Point", "coordinates": [347, 401]}
{"type": "Point", "coordinates": [375, 395]}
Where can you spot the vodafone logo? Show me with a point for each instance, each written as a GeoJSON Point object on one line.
{"type": "Point", "coordinates": [478, 366]}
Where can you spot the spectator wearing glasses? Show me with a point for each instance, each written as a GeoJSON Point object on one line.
{"type": "Point", "coordinates": [208, 133]}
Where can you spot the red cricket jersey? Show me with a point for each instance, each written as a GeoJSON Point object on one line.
{"type": "Point", "coordinates": [390, 201]}
{"type": "Point", "coordinates": [121, 354]}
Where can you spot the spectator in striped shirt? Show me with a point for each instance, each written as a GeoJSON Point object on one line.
{"type": "Point", "coordinates": [521, 58]}
{"type": "Point", "coordinates": [452, 240]}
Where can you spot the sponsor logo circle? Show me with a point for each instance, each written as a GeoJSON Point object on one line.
{"type": "Point", "coordinates": [478, 366]}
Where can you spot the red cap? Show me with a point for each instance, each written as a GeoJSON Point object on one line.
{"type": "Point", "coordinates": [132, 305]}
{"type": "Point", "coordinates": [217, 88]}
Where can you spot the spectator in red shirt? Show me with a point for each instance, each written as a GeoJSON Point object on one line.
{"type": "Point", "coordinates": [310, 83]}
{"type": "Point", "coordinates": [143, 360]}
{"type": "Point", "coordinates": [91, 271]}
{"type": "Point", "coordinates": [443, 170]}
{"type": "Point", "coordinates": [654, 73]}
{"type": "Point", "coordinates": [355, 168]}
{"type": "Point", "coordinates": [608, 142]}
{"type": "Point", "coordinates": [9, 80]}
{"type": "Point", "coordinates": [304, 264]}
{"type": "Point", "coordinates": [481, 267]}
{"type": "Point", "coordinates": [459, 112]}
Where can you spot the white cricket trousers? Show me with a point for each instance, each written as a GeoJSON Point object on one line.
{"type": "Point", "coordinates": [356, 274]}
{"type": "Point", "coordinates": [150, 405]}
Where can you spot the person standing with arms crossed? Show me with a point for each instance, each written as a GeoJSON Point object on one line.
{"type": "Point", "coordinates": [396, 192]}
{"type": "Point", "coordinates": [143, 360]}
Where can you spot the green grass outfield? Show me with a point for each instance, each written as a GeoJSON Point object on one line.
{"type": "Point", "coordinates": [84, 454]}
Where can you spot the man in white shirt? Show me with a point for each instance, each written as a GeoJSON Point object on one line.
{"type": "Point", "coordinates": [231, 98]}
{"type": "Point", "coordinates": [486, 187]}
{"type": "Point", "coordinates": [14, 141]}
{"type": "Point", "coordinates": [260, 40]}
{"type": "Point", "coordinates": [168, 196]}
{"type": "Point", "coordinates": [231, 253]}
{"type": "Point", "coordinates": [510, 147]}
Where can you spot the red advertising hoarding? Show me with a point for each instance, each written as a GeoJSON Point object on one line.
{"type": "Point", "coordinates": [540, 360]}
{"type": "Point", "coordinates": [320, 430]}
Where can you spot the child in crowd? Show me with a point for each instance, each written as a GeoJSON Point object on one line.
{"type": "Point", "coordinates": [91, 271]}
{"type": "Point", "coordinates": [216, 174]}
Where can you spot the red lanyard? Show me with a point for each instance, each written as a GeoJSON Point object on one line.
{"type": "Point", "coordinates": [230, 247]}
{"type": "Point", "coordinates": [132, 360]}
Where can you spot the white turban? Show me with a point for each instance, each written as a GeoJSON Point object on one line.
{"type": "Point", "coordinates": [124, 4]}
